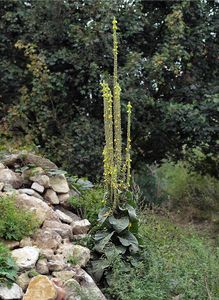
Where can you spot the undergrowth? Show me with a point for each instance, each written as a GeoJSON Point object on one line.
{"type": "Point", "coordinates": [8, 268]}
{"type": "Point", "coordinates": [15, 223]}
{"type": "Point", "coordinates": [175, 264]}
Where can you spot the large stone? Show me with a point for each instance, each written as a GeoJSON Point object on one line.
{"type": "Point", "coordinates": [10, 243]}
{"type": "Point", "coordinates": [56, 263]}
{"type": "Point", "coordinates": [64, 275]}
{"type": "Point", "coordinates": [2, 166]}
{"type": "Point", "coordinates": [51, 196]}
{"type": "Point", "coordinates": [63, 217]}
{"type": "Point", "coordinates": [9, 177]}
{"type": "Point", "coordinates": [33, 204]}
{"type": "Point", "coordinates": [47, 253]}
{"type": "Point", "coordinates": [30, 192]}
{"type": "Point", "coordinates": [59, 184]}
{"type": "Point", "coordinates": [26, 257]}
{"type": "Point", "coordinates": [11, 293]}
{"type": "Point", "coordinates": [23, 280]}
{"type": "Point", "coordinates": [42, 266]}
{"type": "Point", "coordinates": [73, 290]}
{"type": "Point", "coordinates": [88, 286]}
{"type": "Point", "coordinates": [40, 288]}
{"type": "Point", "coordinates": [81, 226]}
{"type": "Point", "coordinates": [80, 254]}
{"type": "Point", "coordinates": [63, 199]}
{"type": "Point", "coordinates": [38, 187]}
{"type": "Point", "coordinates": [69, 213]}
{"type": "Point", "coordinates": [63, 229]}
{"type": "Point", "coordinates": [41, 179]}
{"type": "Point", "coordinates": [47, 239]}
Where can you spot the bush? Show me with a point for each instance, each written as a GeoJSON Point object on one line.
{"type": "Point", "coordinates": [15, 223]}
{"type": "Point", "coordinates": [8, 268]}
{"type": "Point", "coordinates": [176, 263]}
{"type": "Point", "coordinates": [189, 190]}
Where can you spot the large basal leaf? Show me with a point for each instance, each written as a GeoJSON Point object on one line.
{"type": "Point", "coordinates": [102, 243]}
{"type": "Point", "coordinates": [103, 214]}
{"type": "Point", "coordinates": [130, 210]}
{"type": "Point", "coordinates": [98, 268]}
{"type": "Point", "coordinates": [119, 224]}
{"type": "Point", "coordinates": [128, 239]}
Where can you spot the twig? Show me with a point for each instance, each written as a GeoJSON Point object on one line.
{"type": "Point", "coordinates": [208, 291]}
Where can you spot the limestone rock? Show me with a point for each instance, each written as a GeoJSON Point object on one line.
{"type": "Point", "coordinates": [56, 263]}
{"type": "Point", "coordinates": [26, 257]}
{"type": "Point", "coordinates": [30, 192]}
{"type": "Point", "coordinates": [11, 244]}
{"type": "Point", "coordinates": [11, 293]}
{"type": "Point", "coordinates": [40, 287]}
{"type": "Point", "coordinates": [23, 280]}
{"type": "Point", "coordinates": [26, 242]}
{"type": "Point", "coordinates": [41, 179]}
{"type": "Point", "coordinates": [33, 204]}
{"type": "Point", "coordinates": [63, 229]}
{"type": "Point", "coordinates": [81, 255]}
{"type": "Point", "coordinates": [8, 176]}
{"type": "Point", "coordinates": [78, 237]}
{"type": "Point", "coordinates": [73, 290]}
{"type": "Point", "coordinates": [37, 187]}
{"type": "Point", "coordinates": [64, 275]}
{"type": "Point", "coordinates": [73, 216]}
{"type": "Point", "coordinates": [81, 226]}
{"type": "Point", "coordinates": [51, 196]}
{"type": "Point", "coordinates": [88, 286]}
{"type": "Point", "coordinates": [59, 184]}
{"type": "Point", "coordinates": [63, 199]}
{"type": "Point", "coordinates": [47, 239]}
{"type": "Point", "coordinates": [2, 166]}
{"type": "Point", "coordinates": [47, 253]}
{"type": "Point", "coordinates": [42, 266]}
{"type": "Point", "coordinates": [63, 217]}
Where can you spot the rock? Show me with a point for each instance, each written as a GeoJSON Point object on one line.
{"type": "Point", "coordinates": [63, 217]}
{"type": "Point", "coordinates": [61, 294]}
{"type": "Point", "coordinates": [40, 287]}
{"type": "Point", "coordinates": [11, 244]}
{"type": "Point", "coordinates": [37, 187]}
{"type": "Point", "coordinates": [42, 267]}
{"type": "Point", "coordinates": [30, 192]}
{"type": "Point", "coordinates": [1, 186]}
{"type": "Point", "coordinates": [64, 275]}
{"type": "Point", "coordinates": [28, 173]}
{"type": "Point", "coordinates": [59, 184]}
{"type": "Point", "coordinates": [42, 180]}
{"type": "Point", "coordinates": [73, 216]}
{"type": "Point", "coordinates": [47, 239]}
{"type": "Point", "coordinates": [9, 177]}
{"type": "Point", "coordinates": [73, 290]}
{"type": "Point", "coordinates": [26, 257]}
{"type": "Point", "coordinates": [81, 226]}
{"type": "Point", "coordinates": [63, 229]}
{"type": "Point", "coordinates": [63, 199]}
{"type": "Point", "coordinates": [11, 293]}
{"type": "Point", "coordinates": [23, 281]}
{"type": "Point", "coordinates": [81, 255]}
{"type": "Point", "coordinates": [47, 253]}
{"type": "Point", "coordinates": [33, 204]}
{"type": "Point", "coordinates": [51, 215]}
{"type": "Point", "coordinates": [26, 242]}
{"type": "Point", "coordinates": [51, 196]}
{"type": "Point", "coordinates": [56, 263]}
{"type": "Point", "coordinates": [8, 188]}
{"type": "Point", "coordinates": [88, 286]}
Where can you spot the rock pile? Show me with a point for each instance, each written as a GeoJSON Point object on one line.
{"type": "Point", "coordinates": [50, 262]}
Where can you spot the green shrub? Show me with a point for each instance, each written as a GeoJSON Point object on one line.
{"type": "Point", "coordinates": [175, 263]}
{"type": "Point", "coordinates": [190, 190]}
{"type": "Point", "coordinates": [15, 223]}
{"type": "Point", "coordinates": [8, 268]}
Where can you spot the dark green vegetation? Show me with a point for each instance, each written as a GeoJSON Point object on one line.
{"type": "Point", "coordinates": [8, 268]}
{"type": "Point", "coordinates": [175, 262]}
{"type": "Point", "coordinates": [168, 69]}
{"type": "Point", "coordinates": [15, 223]}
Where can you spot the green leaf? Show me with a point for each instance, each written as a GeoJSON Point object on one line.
{"type": "Point", "coordinates": [98, 268]}
{"type": "Point", "coordinates": [100, 245]}
{"type": "Point", "coordinates": [119, 224]}
{"type": "Point", "coordinates": [128, 239]}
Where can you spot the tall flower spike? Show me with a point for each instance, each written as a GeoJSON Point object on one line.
{"type": "Point", "coordinates": [116, 103]}
{"type": "Point", "coordinates": [128, 146]}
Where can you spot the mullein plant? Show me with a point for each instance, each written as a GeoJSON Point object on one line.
{"type": "Point", "coordinates": [118, 221]}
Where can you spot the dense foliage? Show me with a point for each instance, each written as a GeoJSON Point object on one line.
{"type": "Point", "coordinates": [8, 268]}
{"type": "Point", "coordinates": [49, 86]}
{"type": "Point", "coordinates": [15, 223]}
